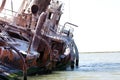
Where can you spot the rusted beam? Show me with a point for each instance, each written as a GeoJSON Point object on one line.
{"type": "Point", "coordinates": [2, 5]}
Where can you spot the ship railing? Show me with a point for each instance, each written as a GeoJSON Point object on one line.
{"type": "Point", "coordinates": [8, 15]}
{"type": "Point", "coordinates": [66, 29]}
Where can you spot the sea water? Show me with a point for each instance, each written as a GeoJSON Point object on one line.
{"type": "Point", "coordinates": [92, 66]}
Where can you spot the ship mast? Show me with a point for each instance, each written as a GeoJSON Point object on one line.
{"type": "Point", "coordinates": [2, 5]}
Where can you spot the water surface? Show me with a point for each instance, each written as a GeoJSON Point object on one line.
{"type": "Point", "coordinates": [92, 66]}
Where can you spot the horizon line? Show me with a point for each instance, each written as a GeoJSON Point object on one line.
{"type": "Point", "coordinates": [101, 52]}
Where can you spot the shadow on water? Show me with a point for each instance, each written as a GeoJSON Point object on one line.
{"type": "Point", "coordinates": [104, 66]}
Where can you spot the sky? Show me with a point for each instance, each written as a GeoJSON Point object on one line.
{"type": "Point", "coordinates": [98, 21]}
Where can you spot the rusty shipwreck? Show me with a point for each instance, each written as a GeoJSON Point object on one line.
{"type": "Point", "coordinates": [32, 41]}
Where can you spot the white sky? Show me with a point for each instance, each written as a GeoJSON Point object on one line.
{"type": "Point", "coordinates": [98, 21]}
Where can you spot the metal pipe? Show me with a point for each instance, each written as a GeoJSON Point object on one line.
{"type": "Point", "coordinates": [77, 54]}
{"type": "Point", "coordinates": [2, 5]}
{"type": "Point", "coordinates": [70, 24]}
{"type": "Point", "coordinates": [22, 58]}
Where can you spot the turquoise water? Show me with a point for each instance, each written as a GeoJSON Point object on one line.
{"type": "Point", "coordinates": [93, 66]}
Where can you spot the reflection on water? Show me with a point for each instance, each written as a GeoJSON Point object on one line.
{"type": "Point", "coordinates": [95, 66]}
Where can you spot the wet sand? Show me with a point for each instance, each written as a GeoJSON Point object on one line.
{"type": "Point", "coordinates": [93, 66]}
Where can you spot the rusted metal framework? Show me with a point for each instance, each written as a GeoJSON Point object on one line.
{"type": "Point", "coordinates": [33, 39]}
